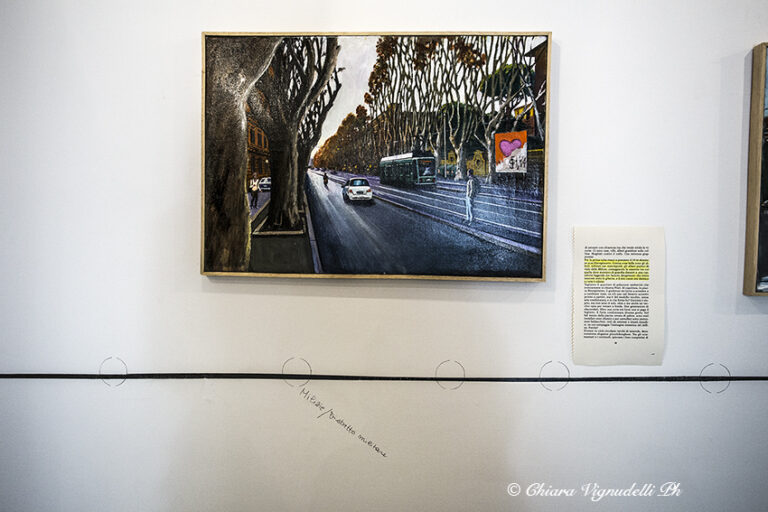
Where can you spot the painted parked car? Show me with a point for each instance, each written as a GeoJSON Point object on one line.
{"type": "Point", "coordinates": [357, 189]}
{"type": "Point", "coordinates": [265, 184]}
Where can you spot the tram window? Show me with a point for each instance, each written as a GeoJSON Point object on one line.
{"type": "Point", "coordinates": [426, 168]}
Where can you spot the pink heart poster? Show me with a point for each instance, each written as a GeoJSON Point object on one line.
{"type": "Point", "coordinates": [511, 151]}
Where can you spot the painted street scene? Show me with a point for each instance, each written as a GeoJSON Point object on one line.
{"type": "Point", "coordinates": [420, 155]}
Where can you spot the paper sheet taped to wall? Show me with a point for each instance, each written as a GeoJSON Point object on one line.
{"type": "Point", "coordinates": [618, 295]}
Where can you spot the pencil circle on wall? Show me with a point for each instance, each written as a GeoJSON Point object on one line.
{"type": "Point", "coordinates": [109, 368]}
{"type": "Point", "coordinates": [296, 366]}
{"type": "Point", "coordinates": [554, 375]}
{"type": "Point", "coordinates": [453, 370]}
{"type": "Point", "coordinates": [716, 371]}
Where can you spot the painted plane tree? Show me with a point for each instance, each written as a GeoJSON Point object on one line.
{"type": "Point", "coordinates": [382, 95]}
{"type": "Point", "coordinates": [401, 93]}
{"type": "Point", "coordinates": [456, 58]}
{"type": "Point", "coordinates": [228, 82]}
{"type": "Point", "coordinates": [431, 127]}
{"type": "Point", "coordinates": [505, 85]}
{"type": "Point", "coordinates": [312, 127]}
{"type": "Point", "coordinates": [448, 91]}
{"type": "Point", "coordinates": [349, 148]}
{"type": "Point", "coordinates": [298, 74]}
{"type": "Point", "coordinates": [417, 83]}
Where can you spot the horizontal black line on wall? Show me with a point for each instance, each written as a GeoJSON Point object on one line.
{"type": "Point", "coordinates": [298, 376]}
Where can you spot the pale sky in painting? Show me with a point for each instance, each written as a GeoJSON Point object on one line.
{"type": "Point", "coordinates": [357, 56]}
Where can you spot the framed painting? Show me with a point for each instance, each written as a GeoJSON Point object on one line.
{"type": "Point", "coordinates": [411, 156]}
{"type": "Point", "coordinates": [756, 257]}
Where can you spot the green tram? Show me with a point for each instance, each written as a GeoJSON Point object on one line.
{"type": "Point", "coordinates": [407, 170]}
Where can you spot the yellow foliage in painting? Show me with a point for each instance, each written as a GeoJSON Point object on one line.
{"type": "Point", "coordinates": [477, 163]}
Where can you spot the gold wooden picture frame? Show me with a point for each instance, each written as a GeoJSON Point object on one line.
{"type": "Point", "coordinates": [756, 254]}
{"type": "Point", "coordinates": [398, 155]}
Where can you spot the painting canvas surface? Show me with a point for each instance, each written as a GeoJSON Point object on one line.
{"type": "Point", "coordinates": [762, 255]}
{"type": "Point", "coordinates": [375, 155]}
{"type": "Point", "coordinates": [756, 252]}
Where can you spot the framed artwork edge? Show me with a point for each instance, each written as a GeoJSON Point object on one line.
{"type": "Point", "coordinates": [754, 176]}
{"type": "Point", "coordinates": [373, 276]}
{"type": "Point", "coordinates": [205, 34]}
{"type": "Point", "coordinates": [545, 201]}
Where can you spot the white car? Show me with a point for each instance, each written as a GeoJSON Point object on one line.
{"type": "Point", "coordinates": [265, 184]}
{"type": "Point", "coordinates": [357, 189]}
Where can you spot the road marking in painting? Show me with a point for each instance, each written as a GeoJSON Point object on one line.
{"type": "Point", "coordinates": [495, 205]}
{"type": "Point", "coordinates": [457, 200]}
{"type": "Point", "coordinates": [461, 215]}
{"type": "Point", "coordinates": [482, 235]}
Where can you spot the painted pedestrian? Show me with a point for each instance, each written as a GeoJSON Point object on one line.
{"type": "Point", "coordinates": [473, 188]}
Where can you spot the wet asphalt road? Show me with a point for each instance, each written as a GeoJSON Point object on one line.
{"type": "Point", "coordinates": [380, 238]}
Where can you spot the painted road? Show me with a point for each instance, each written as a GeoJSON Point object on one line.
{"type": "Point", "coordinates": [382, 238]}
{"type": "Point", "coordinates": [497, 213]}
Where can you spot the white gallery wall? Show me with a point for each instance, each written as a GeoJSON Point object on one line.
{"type": "Point", "coordinates": [100, 188]}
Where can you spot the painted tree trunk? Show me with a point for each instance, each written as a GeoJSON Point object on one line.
{"type": "Point", "coordinates": [436, 154]}
{"type": "Point", "coordinates": [490, 155]}
{"type": "Point", "coordinates": [283, 204]}
{"type": "Point", "coordinates": [299, 73]}
{"type": "Point", "coordinates": [304, 156]}
{"type": "Point", "coordinates": [461, 163]}
{"type": "Point", "coordinates": [226, 230]}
